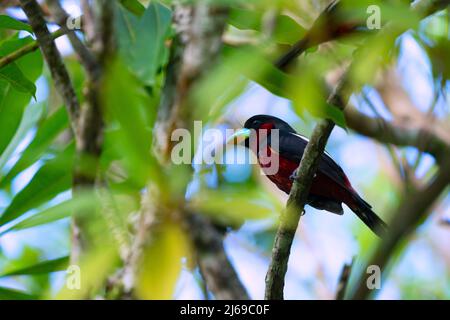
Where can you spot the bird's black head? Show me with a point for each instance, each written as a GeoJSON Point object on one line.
{"type": "Point", "coordinates": [263, 121]}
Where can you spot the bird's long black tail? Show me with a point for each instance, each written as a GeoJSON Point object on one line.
{"type": "Point", "coordinates": [364, 211]}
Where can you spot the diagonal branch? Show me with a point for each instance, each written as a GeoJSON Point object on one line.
{"type": "Point", "coordinates": [397, 134]}
{"type": "Point", "coordinates": [410, 212]}
{"type": "Point", "coordinates": [84, 54]}
{"type": "Point", "coordinates": [290, 217]}
{"type": "Point", "coordinates": [219, 274]}
{"type": "Point", "coordinates": [343, 280]}
{"type": "Point", "coordinates": [198, 43]}
{"type": "Point", "coordinates": [31, 47]}
{"type": "Point", "coordinates": [53, 58]}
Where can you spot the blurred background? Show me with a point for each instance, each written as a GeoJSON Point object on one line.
{"type": "Point", "coordinates": [414, 82]}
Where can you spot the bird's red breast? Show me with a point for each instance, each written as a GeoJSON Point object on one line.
{"type": "Point", "coordinates": [322, 185]}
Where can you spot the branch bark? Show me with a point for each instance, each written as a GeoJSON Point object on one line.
{"type": "Point", "coordinates": [53, 58]}
{"type": "Point", "coordinates": [84, 54]}
{"type": "Point", "coordinates": [409, 213]}
{"type": "Point", "coordinates": [218, 273]}
{"type": "Point", "coordinates": [290, 217]}
{"type": "Point", "coordinates": [86, 122]}
{"type": "Point", "coordinates": [89, 135]}
{"type": "Point", "coordinates": [343, 280]}
{"type": "Point", "coordinates": [31, 47]}
{"type": "Point", "coordinates": [199, 41]}
{"type": "Point", "coordinates": [397, 134]}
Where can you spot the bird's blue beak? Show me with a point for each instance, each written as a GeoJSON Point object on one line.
{"type": "Point", "coordinates": [239, 135]}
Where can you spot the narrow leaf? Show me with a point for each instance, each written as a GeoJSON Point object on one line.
{"type": "Point", "coordinates": [133, 6]}
{"type": "Point", "coordinates": [12, 294]}
{"type": "Point", "coordinates": [48, 130]}
{"type": "Point", "coordinates": [40, 268]}
{"type": "Point", "coordinates": [162, 262]}
{"type": "Point", "coordinates": [7, 22]}
{"type": "Point", "coordinates": [17, 79]}
{"type": "Point", "coordinates": [144, 52]}
{"type": "Point", "coordinates": [30, 117]}
{"type": "Point", "coordinates": [84, 202]}
{"type": "Point", "coordinates": [52, 179]}
{"type": "Point", "coordinates": [12, 101]}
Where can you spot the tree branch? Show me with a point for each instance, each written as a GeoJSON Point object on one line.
{"type": "Point", "coordinates": [397, 134]}
{"type": "Point", "coordinates": [218, 273]}
{"type": "Point", "coordinates": [415, 207]}
{"type": "Point", "coordinates": [90, 124]}
{"type": "Point", "coordinates": [290, 217]}
{"type": "Point", "coordinates": [31, 47]}
{"type": "Point", "coordinates": [199, 41]}
{"type": "Point", "coordinates": [343, 280]}
{"type": "Point", "coordinates": [84, 54]}
{"type": "Point", "coordinates": [53, 58]}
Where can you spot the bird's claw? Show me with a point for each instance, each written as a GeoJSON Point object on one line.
{"type": "Point", "coordinates": [294, 176]}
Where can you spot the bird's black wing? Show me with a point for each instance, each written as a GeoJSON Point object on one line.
{"type": "Point", "coordinates": [291, 146]}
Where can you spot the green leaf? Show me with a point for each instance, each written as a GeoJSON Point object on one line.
{"type": "Point", "coordinates": [134, 135]}
{"type": "Point", "coordinates": [162, 262]}
{"type": "Point", "coordinates": [30, 117]}
{"type": "Point", "coordinates": [95, 266]}
{"type": "Point", "coordinates": [12, 101]}
{"type": "Point", "coordinates": [7, 22]}
{"type": "Point", "coordinates": [30, 64]}
{"type": "Point", "coordinates": [142, 40]}
{"type": "Point", "coordinates": [48, 130]}
{"type": "Point", "coordinates": [17, 79]}
{"type": "Point", "coordinates": [133, 6]}
{"type": "Point", "coordinates": [52, 178]}
{"type": "Point", "coordinates": [233, 208]}
{"type": "Point", "coordinates": [21, 73]}
{"type": "Point", "coordinates": [49, 266]}
{"type": "Point", "coordinates": [225, 82]}
{"type": "Point", "coordinates": [245, 19]}
{"type": "Point", "coordinates": [82, 203]}
{"type": "Point", "coordinates": [287, 30]}
{"type": "Point", "coordinates": [12, 294]}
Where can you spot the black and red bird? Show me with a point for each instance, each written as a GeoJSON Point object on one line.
{"type": "Point", "coordinates": [330, 187]}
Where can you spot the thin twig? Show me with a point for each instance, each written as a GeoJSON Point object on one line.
{"type": "Point", "coordinates": [398, 164]}
{"type": "Point", "coordinates": [31, 47]}
{"type": "Point", "coordinates": [86, 57]}
{"type": "Point", "coordinates": [415, 207]}
{"type": "Point", "coordinates": [343, 280]}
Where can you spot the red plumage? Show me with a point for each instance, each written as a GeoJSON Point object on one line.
{"type": "Point", "coordinates": [330, 187]}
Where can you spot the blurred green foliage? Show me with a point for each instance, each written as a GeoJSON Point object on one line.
{"type": "Point", "coordinates": [130, 92]}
